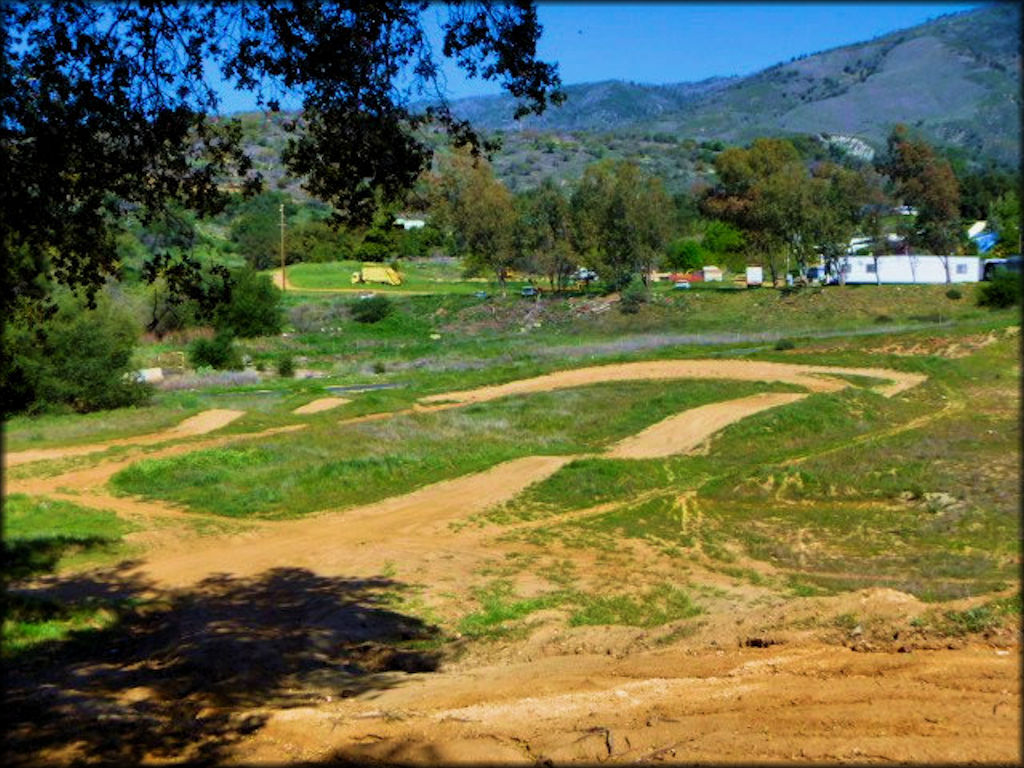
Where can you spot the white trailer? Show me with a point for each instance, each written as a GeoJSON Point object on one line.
{"type": "Point", "coordinates": [911, 268]}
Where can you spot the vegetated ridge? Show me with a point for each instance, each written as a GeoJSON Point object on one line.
{"type": "Point", "coordinates": [955, 80]}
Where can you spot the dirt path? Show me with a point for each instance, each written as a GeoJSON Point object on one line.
{"type": "Point", "coordinates": [586, 693]}
{"type": "Point", "coordinates": [288, 285]}
{"type": "Point", "coordinates": [816, 378]}
{"type": "Point", "coordinates": [687, 430]}
{"type": "Point", "coordinates": [356, 541]}
{"type": "Point", "coordinates": [200, 424]}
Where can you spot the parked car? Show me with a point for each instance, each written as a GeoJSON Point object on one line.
{"type": "Point", "coordinates": [1009, 264]}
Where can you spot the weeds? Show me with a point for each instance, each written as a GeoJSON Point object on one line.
{"type": "Point", "coordinates": [498, 608]}
{"type": "Point", "coordinates": [658, 605]}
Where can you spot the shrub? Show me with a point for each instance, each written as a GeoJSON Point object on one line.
{"type": "Point", "coordinates": [954, 293]}
{"type": "Point", "coordinates": [307, 318]}
{"type": "Point", "coordinates": [1003, 290]}
{"type": "Point", "coordinates": [285, 367]}
{"type": "Point", "coordinates": [254, 308]}
{"type": "Point", "coordinates": [685, 254]}
{"type": "Point", "coordinates": [218, 352]}
{"type": "Point", "coordinates": [371, 310]}
{"type": "Point", "coordinates": [632, 297]}
{"type": "Point", "coordinates": [78, 358]}
{"type": "Point", "coordinates": [783, 344]}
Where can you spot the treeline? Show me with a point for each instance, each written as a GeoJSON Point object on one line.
{"type": "Point", "coordinates": [780, 203]}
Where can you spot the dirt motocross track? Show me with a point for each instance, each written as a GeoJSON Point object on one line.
{"type": "Point", "coordinates": [744, 687]}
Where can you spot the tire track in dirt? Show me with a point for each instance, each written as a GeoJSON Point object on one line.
{"type": "Point", "coordinates": [321, 542]}
{"type": "Point", "coordinates": [692, 703]}
{"type": "Point", "coordinates": [951, 407]}
{"type": "Point", "coordinates": [343, 542]}
{"type": "Point", "coordinates": [194, 426]}
{"type": "Point", "coordinates": [810, 704]}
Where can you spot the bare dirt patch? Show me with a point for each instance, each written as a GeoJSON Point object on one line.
{"type": "Point", "coordinates": [686, 431]}
{"type": "Point", "coordinates": [321, 404]}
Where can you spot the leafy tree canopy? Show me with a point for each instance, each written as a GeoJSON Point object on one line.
{"type": "Point", "coordinates": [107, 108]}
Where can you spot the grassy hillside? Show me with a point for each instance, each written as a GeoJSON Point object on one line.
{"type": "Point", "coordinates": [956, 79]}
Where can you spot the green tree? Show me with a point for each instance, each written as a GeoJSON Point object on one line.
{"type": "Point", "coordinates": [622, 220]}
{"type": "Point", "coordinates": [546, 222]}
{"type": "Point", "coordinates": [1004, 215]}
{"type": "Point", "coordinates": [317, 242]}
{"type": "Point", "coordinates": [253, 308]}
{"type": "Point", "coordinates": [723, 244]}
{"type": "Point", "coordinates": [845, 200]}
{"type": "Point", "coordinates": [480, 213]}
{"type": "Point", "coordinates": [766, 192]}
{"type": "Point", "coordinates": [256, 232]}
{"type": "Point", "coordinates": [75, 357]}
{"type": "Point", "coordinates": [926, 181]}
{"type": "Point", "coordinates": [684, 254]}
{"type": "Point", "coordinates": [380, 241]}
{"type": "Point", "coordinates": [112, 105]}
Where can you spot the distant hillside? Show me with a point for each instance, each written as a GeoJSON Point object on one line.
{"type": "Point", "coordinates": [955, 79]}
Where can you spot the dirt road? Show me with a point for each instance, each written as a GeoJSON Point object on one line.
{"type": "Point", "coordinates": [561, 693]}
{"type": "Point", "coordinates": [816, 378]}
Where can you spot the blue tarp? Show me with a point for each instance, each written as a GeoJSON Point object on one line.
{"type": "Point", "coordinates": [985, 241]}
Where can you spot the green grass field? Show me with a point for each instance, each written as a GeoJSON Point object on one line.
{"type": "Point", "coordinates": [421, 276]}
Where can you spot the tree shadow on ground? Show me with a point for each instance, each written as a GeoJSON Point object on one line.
{"type": "Point", "coordinates": [182, 676]}
{"type": "Point", "coordinates": [29, 557]}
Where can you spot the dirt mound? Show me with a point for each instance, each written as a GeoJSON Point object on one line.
{"type": "Point", "coordinates": [809, 704]}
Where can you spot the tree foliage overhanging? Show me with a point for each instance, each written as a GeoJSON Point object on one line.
{"type": "Point", "coordinates": [107, 108]}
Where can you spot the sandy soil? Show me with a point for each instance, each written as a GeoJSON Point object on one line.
{"type": "Point", "coordinates": [565, 694]}
{"type": "Point", "coordinates": [807, 704]}
{"type": "Point", "coordinates": [686, 431]}
{"type": "Point", "coordinates": [321, 404]}
{"type": "Point", "coordinates": [815, 378]}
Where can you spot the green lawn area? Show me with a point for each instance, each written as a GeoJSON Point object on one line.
{"type": "Point", "coordinates": [417, 275]}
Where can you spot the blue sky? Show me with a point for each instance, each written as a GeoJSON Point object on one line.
{"type": "Point", "coordinates": [683, 42]}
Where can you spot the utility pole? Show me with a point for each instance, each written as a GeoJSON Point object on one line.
{"type": "Point", "coordinates": [284, 280]}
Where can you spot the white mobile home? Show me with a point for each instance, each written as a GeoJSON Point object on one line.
{"type": "Point", "coordinates": [910, 268]}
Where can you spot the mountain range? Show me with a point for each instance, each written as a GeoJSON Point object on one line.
{"type": "Point", "coordinates": [955, 79]}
